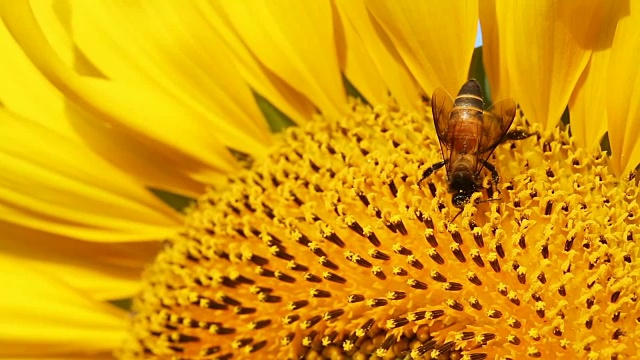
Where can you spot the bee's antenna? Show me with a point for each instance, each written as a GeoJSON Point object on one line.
{"type": "Point", "coordinates": [455, 217]}
{"type": "Point", "coordinates": [487, 200]}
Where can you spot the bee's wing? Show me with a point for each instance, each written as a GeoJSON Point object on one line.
{"type": "Point", "coordinates": [496, 121]}
{"type": "Point", "coordinates": [441, 105]}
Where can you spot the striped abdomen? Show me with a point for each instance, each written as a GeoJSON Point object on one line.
{"type": "Point", "coordinates": [466, 119]}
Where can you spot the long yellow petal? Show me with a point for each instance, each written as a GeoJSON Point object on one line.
{"type": "Point", "coordinates": [536, 51]}
{"type": "Point", "coordinates": [52, 184]}
{"type": "Point", "coordinates": [173, 131]}
{"type": "Point", "coordinates": [623, 89]}
{"type": "Point", "coordinates": [360, 25]}
{"type": "Point", "coordinates": [107, 271]}
{"type": "Point", "coordinates": [435, 38]}
{"type": "Point", "coordinates": [28, 93]}
{"type": "Point", "coordinates": [356, 62]}
{"type": "Point", "coordinates": [24, 90]}
{"type": "Point", "coordinates": [291, 102]}
{"type": "Point", "coordinates": [295, 40]}
{"type": "Point", "coordinates": [587, 104]}
{"type": "Point", "coordinates": [43, 317]}
{"type": "Point", "coordinates": [493, 54]}
{"type": "Point", "coordinates": [167, 46]}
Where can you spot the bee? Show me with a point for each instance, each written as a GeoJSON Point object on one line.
{"type": "Point", "coordinates": [468, 135]}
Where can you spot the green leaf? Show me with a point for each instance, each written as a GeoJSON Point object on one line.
{"type": "Point", "coordinates": [243, 158]}
{"type": "Point", "coordinates": [276, 119]}
{"type": "Point", "coordinates": [565, 119]}
{"type": "Point", "coordinates": [176, 201]}
{"type": "Point", "coordinates": [605, 145]}
{"type": "Point", "coordinates": [352, 91]}
{"type": "Point", "coordinates": [476, 71]}
{"type": "Point", "coordinates": [124, 304]}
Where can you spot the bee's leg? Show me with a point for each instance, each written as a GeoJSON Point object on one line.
{"type": "Point", "coordinates": [517, 134]}
{"type": "Point", "coordinates": [431, 170]}
{"type": "Point", "coordinates": [495, 177]}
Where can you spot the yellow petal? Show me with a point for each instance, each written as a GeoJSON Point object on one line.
{"type": "Point", "coordinates": [588, 102]}
{"type": "Point", "coordinates": [52, 184]}
{"type": "Point", "coordinates": [536, 50]}
{"type": "Point", "coordinates": [295, 40]}
{"type": "Point", "coordinates": [131, 44]}
{"type": "Point", "coordinates": [25, 91]}
{"type": "Point", "coordinates": [104, 270]}
{"type": "Point", "coordinates": [175, 136]}
{"type": "Point", "coordinates": [54, 18]}
{"type": "Point", "coordinates": [356, 62]}
{"type": "Point", "coordinates": [288, 100]}
{"type": "Point", "coordinates": [623, 89]}
{"type": "Point", "coordinates": [388, 61]}
{"type": "Point", "coordinates": [28, 93]}
{"type": "Point", "coordinates": [435, 38]}
{"type": "Point", "coordinates": [42, 316]}
{"type": "Point", "coordinates": [493, 56]}
{"type": "Point", "coordinates": [106, 355]}
{"type": "Point", "coordinates": [587, 105]}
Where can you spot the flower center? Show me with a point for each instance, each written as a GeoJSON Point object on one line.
{"type": "Point", "coordinates": [329, 248]}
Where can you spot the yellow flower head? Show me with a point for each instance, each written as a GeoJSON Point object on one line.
{"type": "Point", "coordinates": [329, 248]}
{"type": "Point", "coordinates": [328, 239]}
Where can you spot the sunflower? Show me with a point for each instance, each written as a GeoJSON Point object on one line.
{"type": "Point", "coordinates": [220, 180]}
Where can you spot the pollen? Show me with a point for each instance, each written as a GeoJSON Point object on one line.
{"type": "Point", "coordinates": [329, 248]}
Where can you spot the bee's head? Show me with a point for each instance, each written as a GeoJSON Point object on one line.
{"type": "Point", "coordinates": [462, 184]}
{"type": "Point", "coordinates": [460, 199]}
{"type": "Point", "coordinates": [462, 181]}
